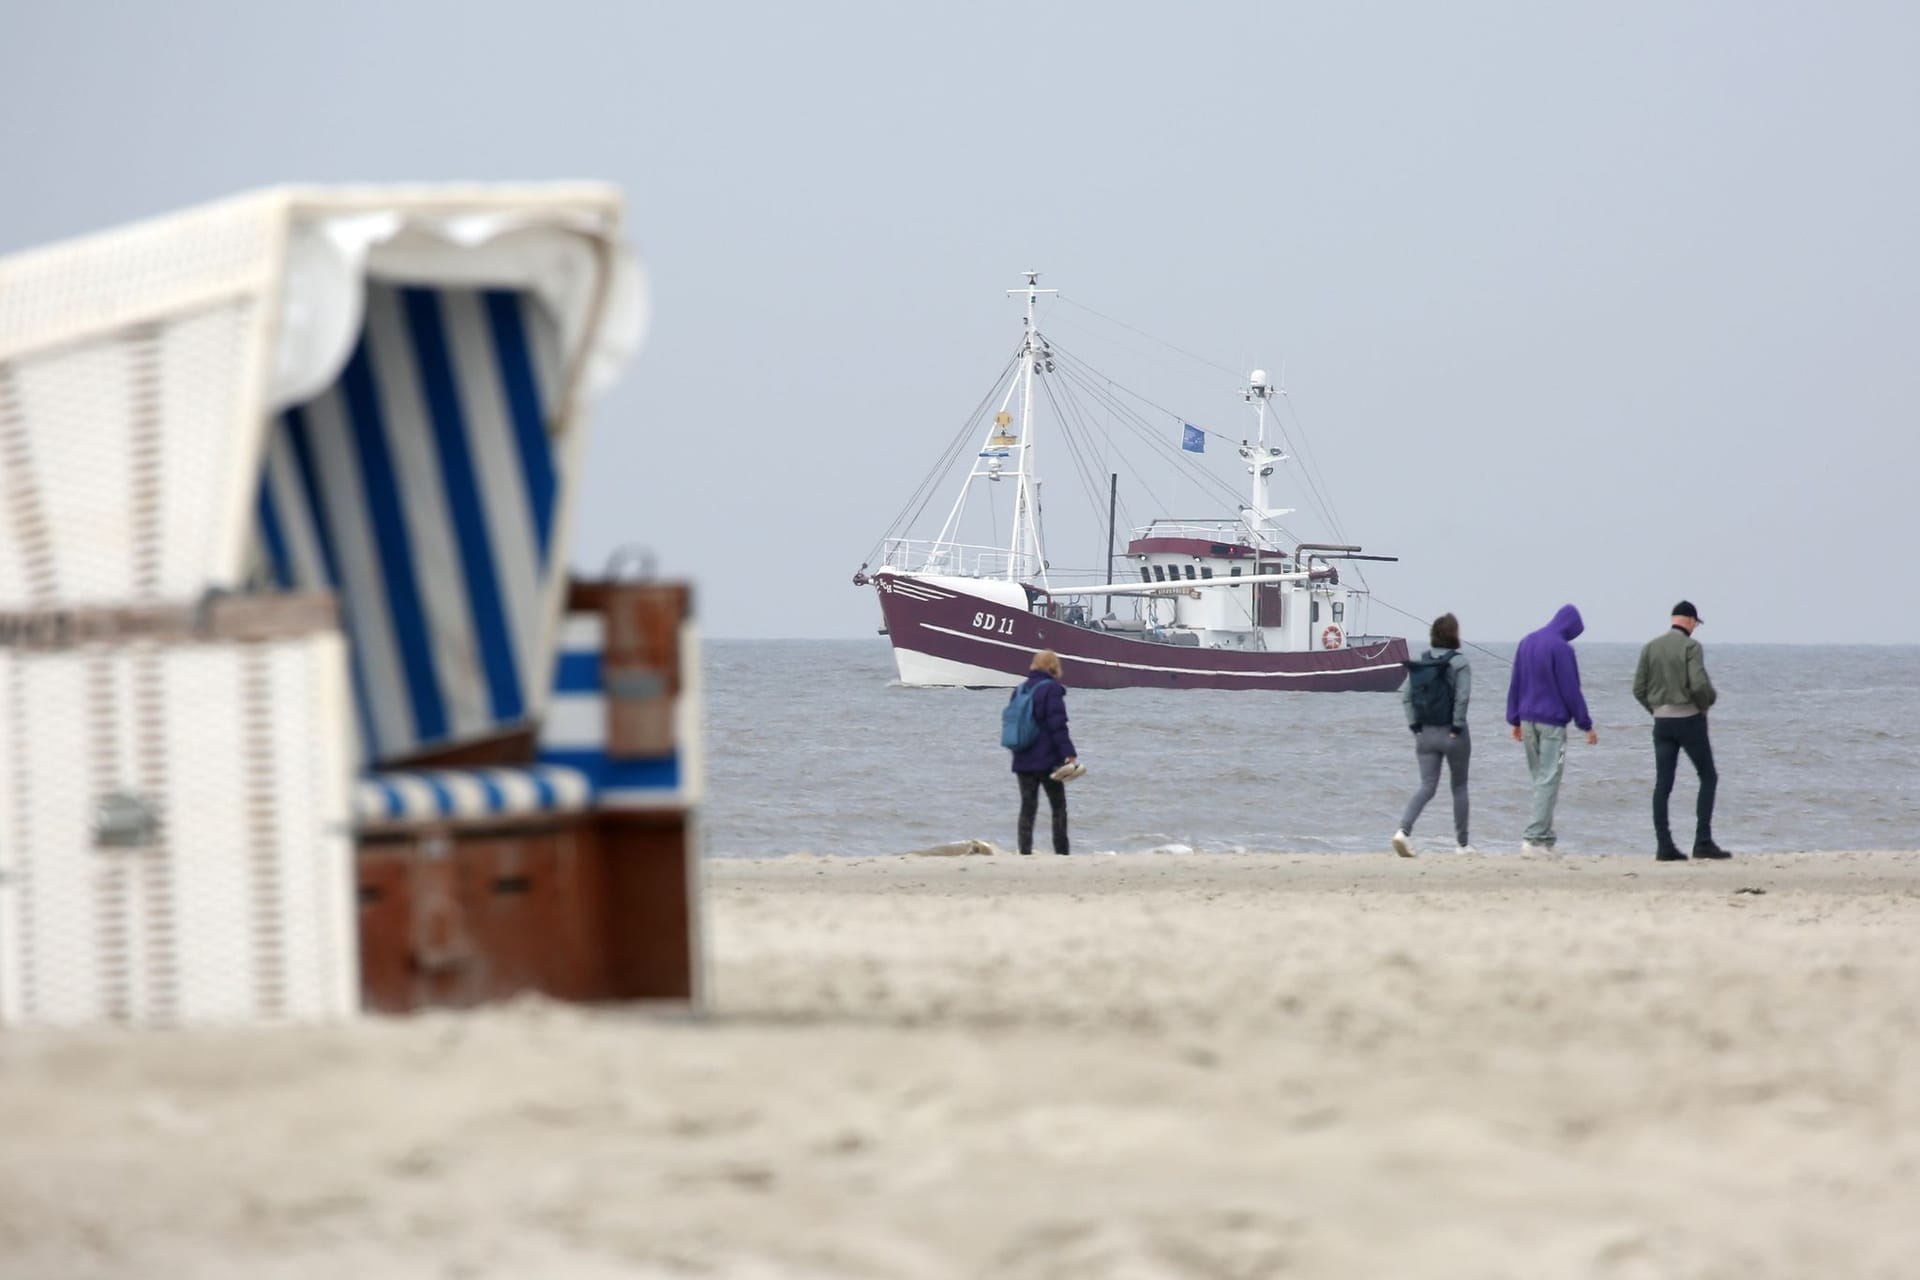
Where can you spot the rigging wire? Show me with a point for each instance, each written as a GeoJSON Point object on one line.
{"type": "Point", "coordinates": [1075, 415]}
{"type": "Point", "coordinates": [1154, 437]}
{"type": "Point", "coordinates": [1142, 430]}
{"type": "Point", "coordinates": [1158, 408]}
{"type": "Point", "coordinates": [1074, 302]}
{"type": "Point", "coordinates": [1308, 472]}
{"type": "Point", "coordinates": [1071, 437]}
{"type": "Point", "coordinates": [1216, 488]}
{"type": "Point", "coordinates": [1137, 356]}
{"type": "Point", "coordinates": [1122, 513]}
{"type": "Point", "coordinates": [924, 493]}
{"type": "Point", "coordinates": [1139, 478]}
{"type": "Point", "coordinates": [1310, 466]}
{"type": "Point", "coordinates": [1080, 431]}
{"type": "Point", "coordinates": [1310, 469]}
{"type": "Point", "coordinates": [1467, 644]}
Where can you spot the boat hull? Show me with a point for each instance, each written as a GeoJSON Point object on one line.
{"type": "Point", "coordinates": [944, 634]}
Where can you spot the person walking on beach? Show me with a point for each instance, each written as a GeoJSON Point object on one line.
{"type": "Point", "coordinates": [1671, 683]}
{"type": "Point", "coordinates": [1048, 759]}
{"type": "Point", "coordinates": [1439, 683]}
{"type": "Point", "coordinates": [1542, 697]}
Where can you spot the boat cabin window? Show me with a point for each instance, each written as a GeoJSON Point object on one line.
{"type": "Point", "coordinates": [1189, 573]}
{"type": "Point", "coordinates": [1339, 611]}
{"type": "Point", "coordinates": [1234, 572]}
{"type": "Point", "coordinates": [1159, 573]}
{"type": "Point", "coordinates": [1206, 571]}
{"type": "Point", "coordinates": [1146, 574]}
{"type": "Point", "coordinates": [1316, 611]}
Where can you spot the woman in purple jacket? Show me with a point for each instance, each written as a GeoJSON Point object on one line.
{"type": "Point", "coordinates": [1034, 766]}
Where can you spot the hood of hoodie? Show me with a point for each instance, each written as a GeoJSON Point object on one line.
{"type": "Point", "coordinates": [1567, 623]}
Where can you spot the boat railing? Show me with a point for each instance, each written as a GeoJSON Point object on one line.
{"type": "Point", "coordinates": [956, 559]}
{"type": "Point", "coordinates": [1220, 530]}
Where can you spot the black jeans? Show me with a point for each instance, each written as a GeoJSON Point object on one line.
{"type": "Point", "coordinates": [1030, 784]}
{"type": "Point", "coordinates": [1670, 738]}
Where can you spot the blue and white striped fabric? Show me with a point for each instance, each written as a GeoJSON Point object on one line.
{"type": "Point", "coordinates": [422, 794]}
{"type": "Point", "coordinates": [422, 488]}
{"type": "Point", "coordinates": [574, 733]}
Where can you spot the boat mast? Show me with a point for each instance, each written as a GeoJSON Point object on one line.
{"type": "Point", "coordinates": [1034, 358]}
{"type": "Point", "coordinates": [1260, 460]}
{"type": "Point", "coordinates": [1113, 508]}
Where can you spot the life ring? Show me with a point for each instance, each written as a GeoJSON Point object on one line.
{"type": "Point", "coordinates": [1330, 638]}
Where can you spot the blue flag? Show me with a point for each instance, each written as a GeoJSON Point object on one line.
{"type": "Point", "coordinates": [1193, 439]}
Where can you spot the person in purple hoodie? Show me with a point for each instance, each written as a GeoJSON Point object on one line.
{"type": "Point", "coordinates": [1036, 765]}
{"type": "Point", "coordinates": [1542, 697]}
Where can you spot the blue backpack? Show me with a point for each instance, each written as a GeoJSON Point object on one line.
{"type": "Point", "coordinates": [1432, 691]}
{"type": "Point", "coordinates": [1018, 728]}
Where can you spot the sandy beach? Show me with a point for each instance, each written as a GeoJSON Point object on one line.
{"type": "Point", "coordinates": [989, 1066]}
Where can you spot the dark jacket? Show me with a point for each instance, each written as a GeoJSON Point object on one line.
{"type": "Point", "coordinates": [1546, 676]}
{"type": "Point", "coordinates": [1673, 673]}
{"type": "Point", "coordinates": [1053, 747]}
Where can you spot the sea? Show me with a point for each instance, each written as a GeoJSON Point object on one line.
{"type": "Point", "coordinates": [813, 746]}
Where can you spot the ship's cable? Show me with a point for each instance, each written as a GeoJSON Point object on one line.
{"type": "Point", "coordinates": [916, 503]}
{"type": "Point", "coordinates": [1070, 436]}
{"type": "Point", "coordinates": [1102, 388]}
{"type": "Point", "coordinates": [1080, 421]}
{"type": "Point", "coordinates": [1413, 617]}
{"type": "Point", "coordinates": [1211, 364]}
{"type": "Point", "coordinates": [1310, 470]}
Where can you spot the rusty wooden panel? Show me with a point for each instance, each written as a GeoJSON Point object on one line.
{"type": "Point", "coordinates": [649, 907]}
{"type": "Point", "coordinates": [640, 661]}
{"type": "Point", "coordinates": [448, 967]}
{"type": "Point", "coordinates": [588, 908]}
{"type": "Point", "coordinates": [513, 747]}
{"type": "Point", "coordinates": [383, 878]}
{"type": "Point", "coordinates": [501, 879]}
{"type": "Point", "coordinates": [573, 915]}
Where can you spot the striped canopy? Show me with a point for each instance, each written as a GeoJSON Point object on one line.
{"type": "Point", "coordinates": [426, 795]}
{"type": "Point", "coordinates": [421, 488]}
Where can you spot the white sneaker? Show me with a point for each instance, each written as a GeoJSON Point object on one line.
{"type": "Point", "coordinates": [1464, 848]}
{"type": "Point", "coordinates": [1402, 845]}
{"type": "Point", "coordinates": [1528, 849]}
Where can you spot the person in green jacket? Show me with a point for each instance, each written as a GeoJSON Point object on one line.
{"type": "Point", "coordinates": [1671, 683]}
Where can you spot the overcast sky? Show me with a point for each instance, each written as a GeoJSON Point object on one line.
{"type": "Point", "coordinates": [1609, 303]}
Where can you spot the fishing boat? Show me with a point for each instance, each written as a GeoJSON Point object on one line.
{"type": "Point", "coordinates": [1232, 602]}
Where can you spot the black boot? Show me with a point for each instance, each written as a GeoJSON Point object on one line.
{"type": "Point", "coordinates": [1669, 852]}
{"type": "Point", "coordinates": [1709, 849]}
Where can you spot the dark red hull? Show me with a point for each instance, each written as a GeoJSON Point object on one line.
{"type": "Point", "coordinates": [942, 636]}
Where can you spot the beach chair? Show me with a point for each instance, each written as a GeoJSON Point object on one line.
{"type": "Point", "coordinates": [300, 709]}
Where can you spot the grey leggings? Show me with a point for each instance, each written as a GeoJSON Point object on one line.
{"type": "Point", "coordinates": [1431, 747]}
